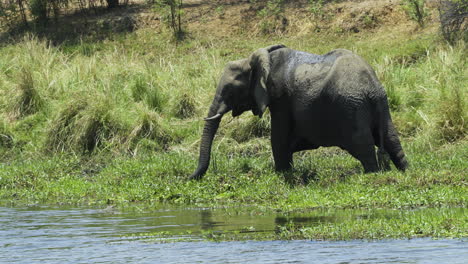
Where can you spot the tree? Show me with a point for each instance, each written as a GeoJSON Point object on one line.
{"type": "Point", "coordinates": [112, 3]}
{"type": "Point", "coordinates": [12, 12]}
{"type": "Point", "coordinates": [454, 20]}
{"type": "Point", "coordinates": [172, 13]}
{"type": "Point", "coordinates": [416, 10]}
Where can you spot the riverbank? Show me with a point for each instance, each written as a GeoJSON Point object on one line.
{"type": "Point", "coordinates": [117, 122]}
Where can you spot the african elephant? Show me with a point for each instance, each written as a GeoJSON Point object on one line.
{"type": "Point", "coordinates": [314, 100]}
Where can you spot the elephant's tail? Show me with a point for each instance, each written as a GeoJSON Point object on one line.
{"type": "Point", "coordinates": [379, 136]}
{"type": "Point", "coordinates": [387, 138]}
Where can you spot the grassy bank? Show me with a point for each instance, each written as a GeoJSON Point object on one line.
{"type": "Point", "coordinates": [119, 121]}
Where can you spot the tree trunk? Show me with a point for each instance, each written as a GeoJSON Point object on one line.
{"type": "Point", "coordinates": [112, 3]}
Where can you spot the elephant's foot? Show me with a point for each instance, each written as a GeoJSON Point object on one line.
{"type": "Point", "coordinates": [283, 167]}
{"type": "Point", "coordinates": [366, 155]}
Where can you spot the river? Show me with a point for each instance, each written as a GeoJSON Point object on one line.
{"type": "Point", "coordinates": [40, 234]}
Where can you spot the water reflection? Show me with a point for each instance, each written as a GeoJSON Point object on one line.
{"type": "Point", "coordinates": [206, 221]}
{"type": "Point", "coordinates": [303, 221]}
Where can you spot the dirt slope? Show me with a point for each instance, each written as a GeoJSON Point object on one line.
{"type": "Point", "coordinates": [228, 17]}
{"type": "Point", "coordinates": [225, 18]}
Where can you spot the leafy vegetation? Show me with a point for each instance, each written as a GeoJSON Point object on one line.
{"type": "Point", "coordinates": [453, 15]}
{"type": "Point", "coordinates": [416, 10]}
{"type": "Point", "coordinates": [172, 15]}
{"type": "Point", "coordinates": [16, 12]}
{"type": "Point", "coordinates": [272, 17]}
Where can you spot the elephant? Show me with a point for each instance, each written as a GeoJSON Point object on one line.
{"type": "Point", "coordinates": [314, 101]}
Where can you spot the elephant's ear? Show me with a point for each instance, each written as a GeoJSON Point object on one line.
{"type": "Point", "coordinates": [260, 65]}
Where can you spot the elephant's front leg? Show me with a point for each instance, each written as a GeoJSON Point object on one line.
{"type": "Point", "coordinates": [280, 140]}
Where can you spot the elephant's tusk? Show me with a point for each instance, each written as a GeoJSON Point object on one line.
{"type": "Point", "coordinates": [213, 117]}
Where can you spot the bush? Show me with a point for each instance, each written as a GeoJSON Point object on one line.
{"type": "Point", "coordinates": [112, 3]}
{"type": "Point", "coordinates": [416, 10]}
{"type": "Point", "coordinates": [11, 13]}
{"type": "Point", "coordinates": [316, 8]}
{"type": "Point", "coordinates": [38, 10]}
{"type": "Point", "coordinates": [272, 17]}
{"type": "Point", "coordinates": [172, 14]}
{"type": "Point", "coordinates": [454, 20]}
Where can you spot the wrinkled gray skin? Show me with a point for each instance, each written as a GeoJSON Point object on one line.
{"type": "Point", "coordinates": [314, 100]}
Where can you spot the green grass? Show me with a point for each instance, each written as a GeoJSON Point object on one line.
{"type": "Point", "coordinates": [335, 181]}
{"type": "Point", "coordinates": [119, 122]}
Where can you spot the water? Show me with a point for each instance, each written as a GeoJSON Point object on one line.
{"type": "Point", "coordinates": [83, 235]}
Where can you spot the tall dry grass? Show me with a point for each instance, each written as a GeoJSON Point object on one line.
{"type": "Point", "coordinates": [141, 92]}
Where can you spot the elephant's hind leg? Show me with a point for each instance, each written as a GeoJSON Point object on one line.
{"type": "Point", "coordinates": [362, 148]}
{"type": "Point", "coordinates": [366, 155]}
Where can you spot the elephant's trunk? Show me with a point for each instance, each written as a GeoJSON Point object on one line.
{"type": "Point", "coordinates": [215, 114]}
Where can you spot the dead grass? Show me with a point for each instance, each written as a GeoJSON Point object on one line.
{"type": "Point", "coordinates": [221, 18]}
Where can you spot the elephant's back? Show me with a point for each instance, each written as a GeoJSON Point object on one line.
{"type": "Point", "coordinates": [311, 71]}
{"type": "Point", "coordinates": [352, 79]}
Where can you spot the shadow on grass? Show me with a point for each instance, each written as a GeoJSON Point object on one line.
{"type": "Point", "coordinates": [297, 177]}
{"type": "Point", "coordinates": [95, 25]}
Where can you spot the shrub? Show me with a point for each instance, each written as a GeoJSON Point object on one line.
{"type": "Point", "coordinates": [416, 10]}
{"type": "Point", "coordinates": [38, 10]}
{"type": "Point", "coordinates": [316, 8]}
{"type": "Point", "coordinates": [453, 16]}
{"type": "Point", "coordinates": [171, 11]}
{"type": "Point", "coordinates": [11, 13]}
{"type": "Point", "coordinates": [272, 17]}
